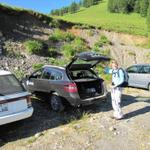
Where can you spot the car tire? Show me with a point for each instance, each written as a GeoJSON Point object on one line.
{"type": "Point", "coordinates": [56, 103]}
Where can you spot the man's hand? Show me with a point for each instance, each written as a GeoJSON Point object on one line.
{"type": "Point", "coordinates": [112, 86]}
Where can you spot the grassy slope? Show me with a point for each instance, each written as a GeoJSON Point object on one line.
{"type": "Point", "coordinates": [100, 17]}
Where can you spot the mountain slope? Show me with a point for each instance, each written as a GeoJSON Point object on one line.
{"type": "Point", "coordinates": [20, 26]}
{"type": "Point", "coordinates": [99, 16]}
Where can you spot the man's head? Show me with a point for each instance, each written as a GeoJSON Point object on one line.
{"type": "Point", "coordinates": [114, 64]}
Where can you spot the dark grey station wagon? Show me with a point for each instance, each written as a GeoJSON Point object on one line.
{"type": "Point", "coordinates": [76, 83]}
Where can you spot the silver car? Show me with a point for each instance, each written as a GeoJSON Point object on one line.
{"type": "Point", "coordinates": [139, 76]}
{"type": "Point", "coordinates": [15, 102]}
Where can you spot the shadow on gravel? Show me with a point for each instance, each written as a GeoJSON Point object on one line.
{"type": "Point", "coordinates": [138, 112]}
{"type": "Point", "coordinates": [127, 100]}
{"type": "Point", "coordinates": [44, 118]}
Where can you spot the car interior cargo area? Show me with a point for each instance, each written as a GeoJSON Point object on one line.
{"type": "Point", "coordinates": [89, 87]}
{"type": "Point", "coordinates": [88, 84]}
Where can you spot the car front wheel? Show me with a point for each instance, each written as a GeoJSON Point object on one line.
{"type": "Point", "coordinates": [56, 103]}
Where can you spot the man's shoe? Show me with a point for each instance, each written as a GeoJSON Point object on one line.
{"type": "Point", "coordinates": [112, 117]}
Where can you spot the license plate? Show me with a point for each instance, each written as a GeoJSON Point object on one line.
{"type": "Point", "coordinates": [3, 107]}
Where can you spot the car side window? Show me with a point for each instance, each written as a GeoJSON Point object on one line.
{"type": "Point", "coordinates": [46, 74]}
{"type": "Point", "coordinates": [56, 75]}
{"type": "Point", "coordinates": [37, 74]}
{"type": "Point", "coordinates": [133, 69]}
{"type": "Point", "coordinates": [145, 69]}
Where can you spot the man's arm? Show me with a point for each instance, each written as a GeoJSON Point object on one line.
{"type": "Point", "coordinates": [108, 70]}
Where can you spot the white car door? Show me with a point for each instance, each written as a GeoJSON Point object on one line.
{"type": "Point", "coordinates": [134, 76]}
{"type": "Point", "coordinates": [144, 76]}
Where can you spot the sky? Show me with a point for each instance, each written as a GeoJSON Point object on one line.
{"type": "Point", "coordinates": [44, 6]}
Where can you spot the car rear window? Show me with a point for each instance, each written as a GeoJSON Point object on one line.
{"type": "Point", "coordinates": [80, 74]}
{"type": "Point", "coordinates": [145, 69]}
{"type": "Point", "coordinates": [79, 61]}
{"type": "Point", "coordinates": [10, 85]}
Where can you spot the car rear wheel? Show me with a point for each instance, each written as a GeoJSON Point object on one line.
{"type": "Point", "coordinates": [56, 103]}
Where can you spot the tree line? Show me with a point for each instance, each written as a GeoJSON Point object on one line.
{"type": "Point", "coordinates": [74, 7]}
{"type": "Point", "coordinates": [128, 6]}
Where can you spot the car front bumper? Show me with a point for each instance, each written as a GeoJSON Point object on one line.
{"type": "Point", "coordinates": [16, 117]}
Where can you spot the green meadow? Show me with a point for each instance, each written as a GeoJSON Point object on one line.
{"type": "Point", "coordinates": [99, 16]}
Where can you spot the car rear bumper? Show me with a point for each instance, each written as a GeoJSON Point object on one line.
{"type": "Point", "coordinates": [76, 101]}
{"type": "Point", "coordinates": [16, 117]}
{"type": "Point", "coordinates": [92, 100]}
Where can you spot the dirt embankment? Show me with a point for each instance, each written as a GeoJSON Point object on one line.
{"type": "Point", "coordinates": [123, 47]}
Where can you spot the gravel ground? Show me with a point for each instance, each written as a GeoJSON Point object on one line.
{"type": "Point", "coordinates": [86, 128]}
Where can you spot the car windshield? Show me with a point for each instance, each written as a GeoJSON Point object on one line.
{"type": "Point", "coordinates": [9, 85]}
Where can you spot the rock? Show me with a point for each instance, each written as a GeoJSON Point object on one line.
{"type": "Point", "coordinates": [38, 135]}
{"type": "Point", "coordinates": [16, 68]}
{"type": "Point", "coordinates": [77, 127]}
{"type": "Point", "coordinates": [102, 126]}
{"type": "Point", "coordinates": [115, 133]}
{"type": "Point", "coordinates": [112, 129]}
{"type": "Point", "coordinates": [128, 120]}
{"type": "Point", "coordinates": [53, 133]}
{"type": "Point", "coordinates": [23, 62]}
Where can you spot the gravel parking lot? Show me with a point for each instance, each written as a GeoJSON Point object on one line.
{"type": "Point", "coordinates": [84, 128]}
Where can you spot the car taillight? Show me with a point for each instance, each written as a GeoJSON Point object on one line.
{"type": "Point", "coordinates": [29, 103]}
{"type": "Point", "coordinates": [72, 88]}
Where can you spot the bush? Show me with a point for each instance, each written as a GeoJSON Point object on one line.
{"type": "Point", "coordinates": [37, 66]}
{"type": "Point", "coordinates": [68, 50]}
{"type": "Point", "coordinates": [76, 46]}
{"type": "Point", "coordinates": [53, 38]}
{"type": "Point", "coordinates": [19, 74]}
{"type": "Point", "coordinates": [55, 23]}
{"type": "Point", "coordinates": [69, 37]}
{"type": "Point", "coordinates": [52, 52]}
{"type": "Point", "coordinates": [82, 26]}
{"type": "Point", "coordinates": [144, 4]}
{"type": "Point", "coordinates": [34, 47]}
{"type": "Point", "coordinates": [79, 45]}
{"type": "Point", "coordinates": [60, 35]}
{"type": "Point", "coordinates": [58, 62]}
{"type": "Point", "coordinates": [103, 41]}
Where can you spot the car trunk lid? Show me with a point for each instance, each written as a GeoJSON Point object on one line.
{"type": "Point", "coordinates": [13, 103]}
{"type": "Point", "coordinates": [86, 60]}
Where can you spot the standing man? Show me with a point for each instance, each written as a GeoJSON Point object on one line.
{"type": "Point", "coordinates": [116, 89]}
